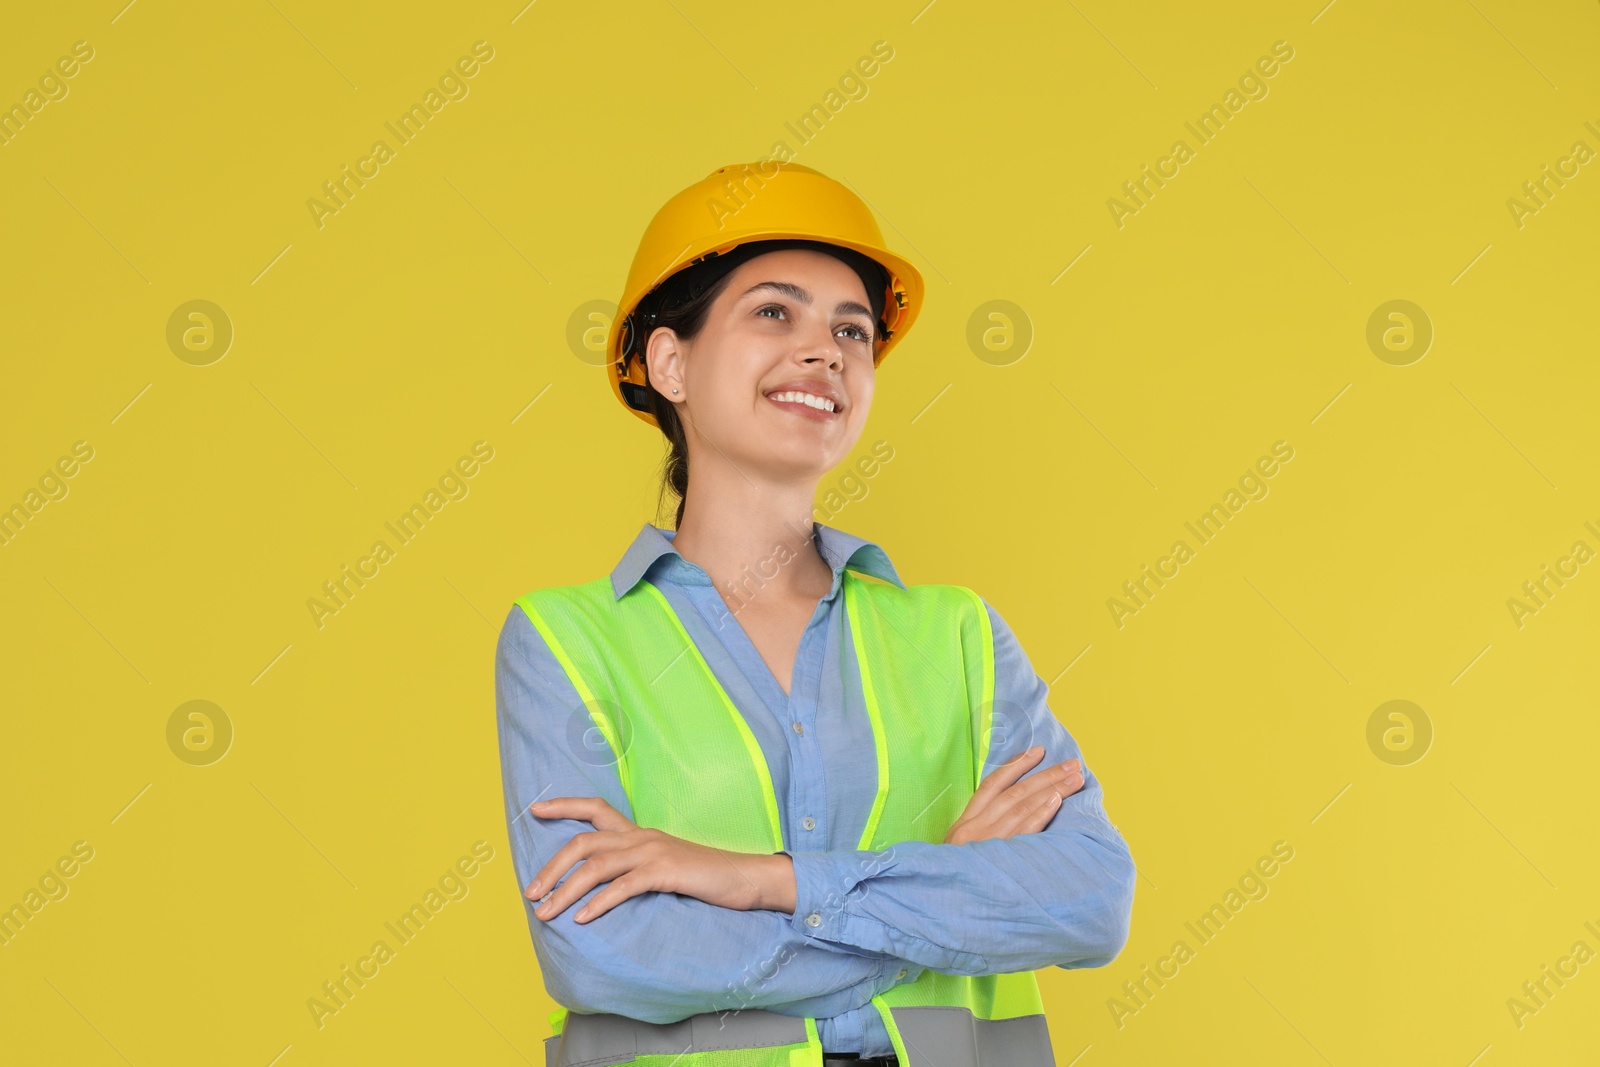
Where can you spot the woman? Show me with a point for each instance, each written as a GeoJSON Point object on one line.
{"type": "Point", "coordinates": [765, 800]}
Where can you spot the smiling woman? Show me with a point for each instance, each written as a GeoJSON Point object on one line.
{"type": "Point", "coordinates": [763, 796]}
{"type": "Point", "coordinates": [678, 311]}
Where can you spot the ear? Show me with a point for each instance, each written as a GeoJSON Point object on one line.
{"type": "Point", "coordinates": [664, 360]}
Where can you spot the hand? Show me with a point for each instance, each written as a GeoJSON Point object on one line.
{"type": "Point", "coordinates": [1000, 808]}
{"type": "Point", "coordinates": [636, 860]}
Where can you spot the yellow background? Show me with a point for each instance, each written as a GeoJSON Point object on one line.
{"type": "Point", "coordinates": [428, 314]}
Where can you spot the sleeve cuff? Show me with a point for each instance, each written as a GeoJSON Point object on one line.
{"type": "Point", "coordinates": [825, 885]}
{"type": "Point", "coordinates": [828, 888]}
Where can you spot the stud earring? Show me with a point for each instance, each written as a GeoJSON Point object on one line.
{"type": "Point", "coordinates": [674, 390]}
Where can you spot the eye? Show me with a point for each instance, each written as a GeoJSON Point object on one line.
{"type": "Point", "coordinates": [771, 307]}
{"type": "Point", "coordinates": [861, 334]}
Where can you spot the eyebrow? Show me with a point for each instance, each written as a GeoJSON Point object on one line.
{"type": "Point", "coordinates": [789, 289]}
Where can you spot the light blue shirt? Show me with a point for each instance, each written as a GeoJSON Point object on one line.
{"type": "Point", "coordinates": [1061, 897]}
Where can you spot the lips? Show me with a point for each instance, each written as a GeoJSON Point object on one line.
{"type": "Point", "coordinates": [806, 411]}
{"type": "Point", "coordinates": [809, 387]}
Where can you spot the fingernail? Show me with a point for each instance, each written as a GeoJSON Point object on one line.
{"type": "Point", "coordinates": [533, 890]}
{"type": "Point", "coordinates": [538, 803]}
{"type": "Point", "coordinates": [1055, 798]}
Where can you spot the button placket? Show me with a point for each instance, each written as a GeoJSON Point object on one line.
{"type": "Point", "coordinates": [807, 787]}
{"type": "Point", "coordinates": [806, 773]}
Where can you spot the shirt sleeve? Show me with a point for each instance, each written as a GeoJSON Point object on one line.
{"type": "Point", "coordinates": [657, 957]}
{"type": "Point", "coordinates": [1060, 897]}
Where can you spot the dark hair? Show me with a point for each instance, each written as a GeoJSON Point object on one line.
{"type": "Point", "coordinates": [702, 284]}
{"type": "Point", "coordinates": [687, 320]}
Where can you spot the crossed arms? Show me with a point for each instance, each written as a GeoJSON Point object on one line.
{"type": "Point", "coordinates": [1060, 895]}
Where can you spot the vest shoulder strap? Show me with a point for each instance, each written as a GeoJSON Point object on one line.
{"type": "Point", "coordinates": [947, 628]}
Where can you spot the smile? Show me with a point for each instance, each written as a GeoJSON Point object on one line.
{"type": "Point", "coordinates": [806, 404]}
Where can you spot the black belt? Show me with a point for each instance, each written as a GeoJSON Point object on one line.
{"type": "Point", "coordinates": [850, 1059]}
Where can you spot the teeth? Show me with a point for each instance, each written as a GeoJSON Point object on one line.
{"type": "Point", "coordinates": [820, 402]}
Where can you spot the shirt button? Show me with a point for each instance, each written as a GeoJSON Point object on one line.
{"type": "Point", "coordinates": [899, 976]}
{"type": "Point", "coordinates": [809, 823]}
{"type": "Point", "coordinates": [813, 919]}
{"type": "Point", "coordinates": [798, 728]}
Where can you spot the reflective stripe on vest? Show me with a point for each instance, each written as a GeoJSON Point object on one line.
{"type": "Point", "coordinates": [691, 767]}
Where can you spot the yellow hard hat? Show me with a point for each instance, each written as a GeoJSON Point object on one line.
{"type": "Point", "coordinates": [739, 204]}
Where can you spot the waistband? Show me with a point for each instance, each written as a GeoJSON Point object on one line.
{"type": "Point", "coordinates": [849, 1059]}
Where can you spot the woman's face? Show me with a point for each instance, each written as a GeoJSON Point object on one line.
{"type": "Point", "coordinates": [787, 322]}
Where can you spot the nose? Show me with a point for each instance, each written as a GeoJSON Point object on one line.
{"type": "Point", "coordinates": [821, 346]}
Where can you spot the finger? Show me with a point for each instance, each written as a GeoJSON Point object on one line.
{"type": "Point", "coordinates": [1066, 784]}
{"type": "Point", "coordinates": [995, 789]}
{"type": "Point", "coordinates": [1010, 817]}
{"type": "Point", "coordinates": [992, 802]}
{"type": "Point", "coordinates": [1032, 815]}
{"type": "Point", "coordinates": [590, 809]}
{"type": "Point", "coordinates": [580, 847]}
{"type": "Point", "coordinates": [1038, 786]}
{"type": "Point", "coordinates": [621, 888]}
{"type": "Point", "coordinates": [595, 870]}
{"type": "Point", "coordinates": [1007, 773]}
{"type": "Point", "coordinates": [1021, 804]}
{"type": "Point", "coordinates": [1043, 813]}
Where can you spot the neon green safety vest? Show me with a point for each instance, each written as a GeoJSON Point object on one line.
{"type": "Point", "coordinates": [691, 767]}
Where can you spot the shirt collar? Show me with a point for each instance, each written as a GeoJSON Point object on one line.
{"type": "Point", "coordinates": [653, 547]}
